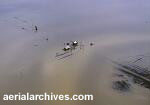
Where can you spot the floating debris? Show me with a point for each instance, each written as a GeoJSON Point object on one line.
{"type": "Point", "coordinates": [121, 85]}
{"type": "Point", "coordinates": [23, 28]}
{"type": "Point", "coordinates": [91, 44]}
{"type": "Point", "coordinates": [35, 28]}
{"type": "Point", "coordinates": [27, 24]}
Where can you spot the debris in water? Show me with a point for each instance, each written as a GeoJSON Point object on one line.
{"type": "Point", "coordinates": [121, 85]}
{"type": "Point", "coordinates": [27, 24]}
{"type": "Point", "coordinates": [91, 44]}
{"type": "Point", "coordinates": [23, 28]}
{"type": "Point", "coordinates": [36, 29]}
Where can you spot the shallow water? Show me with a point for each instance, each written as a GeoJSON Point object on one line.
{"type": "Point", "coordinates": [119, 29]}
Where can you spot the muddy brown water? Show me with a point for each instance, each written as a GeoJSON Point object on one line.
{"type": "Point", "coordinates": [118, 28]}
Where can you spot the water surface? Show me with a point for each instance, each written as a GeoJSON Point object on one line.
{"type": "Point", "coordinates": [119, 29]}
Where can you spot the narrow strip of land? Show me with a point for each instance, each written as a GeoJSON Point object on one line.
{"type": "Point", "coordinates": [122, 68]}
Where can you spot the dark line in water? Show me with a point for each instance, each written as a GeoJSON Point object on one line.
{"type": "Point", "coordinates": [57, 55]}
{"type": "Point", "coordinates": [65, 56]}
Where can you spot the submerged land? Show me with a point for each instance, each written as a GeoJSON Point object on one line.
{"type": "Point", "coordinates": [33, 31]}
